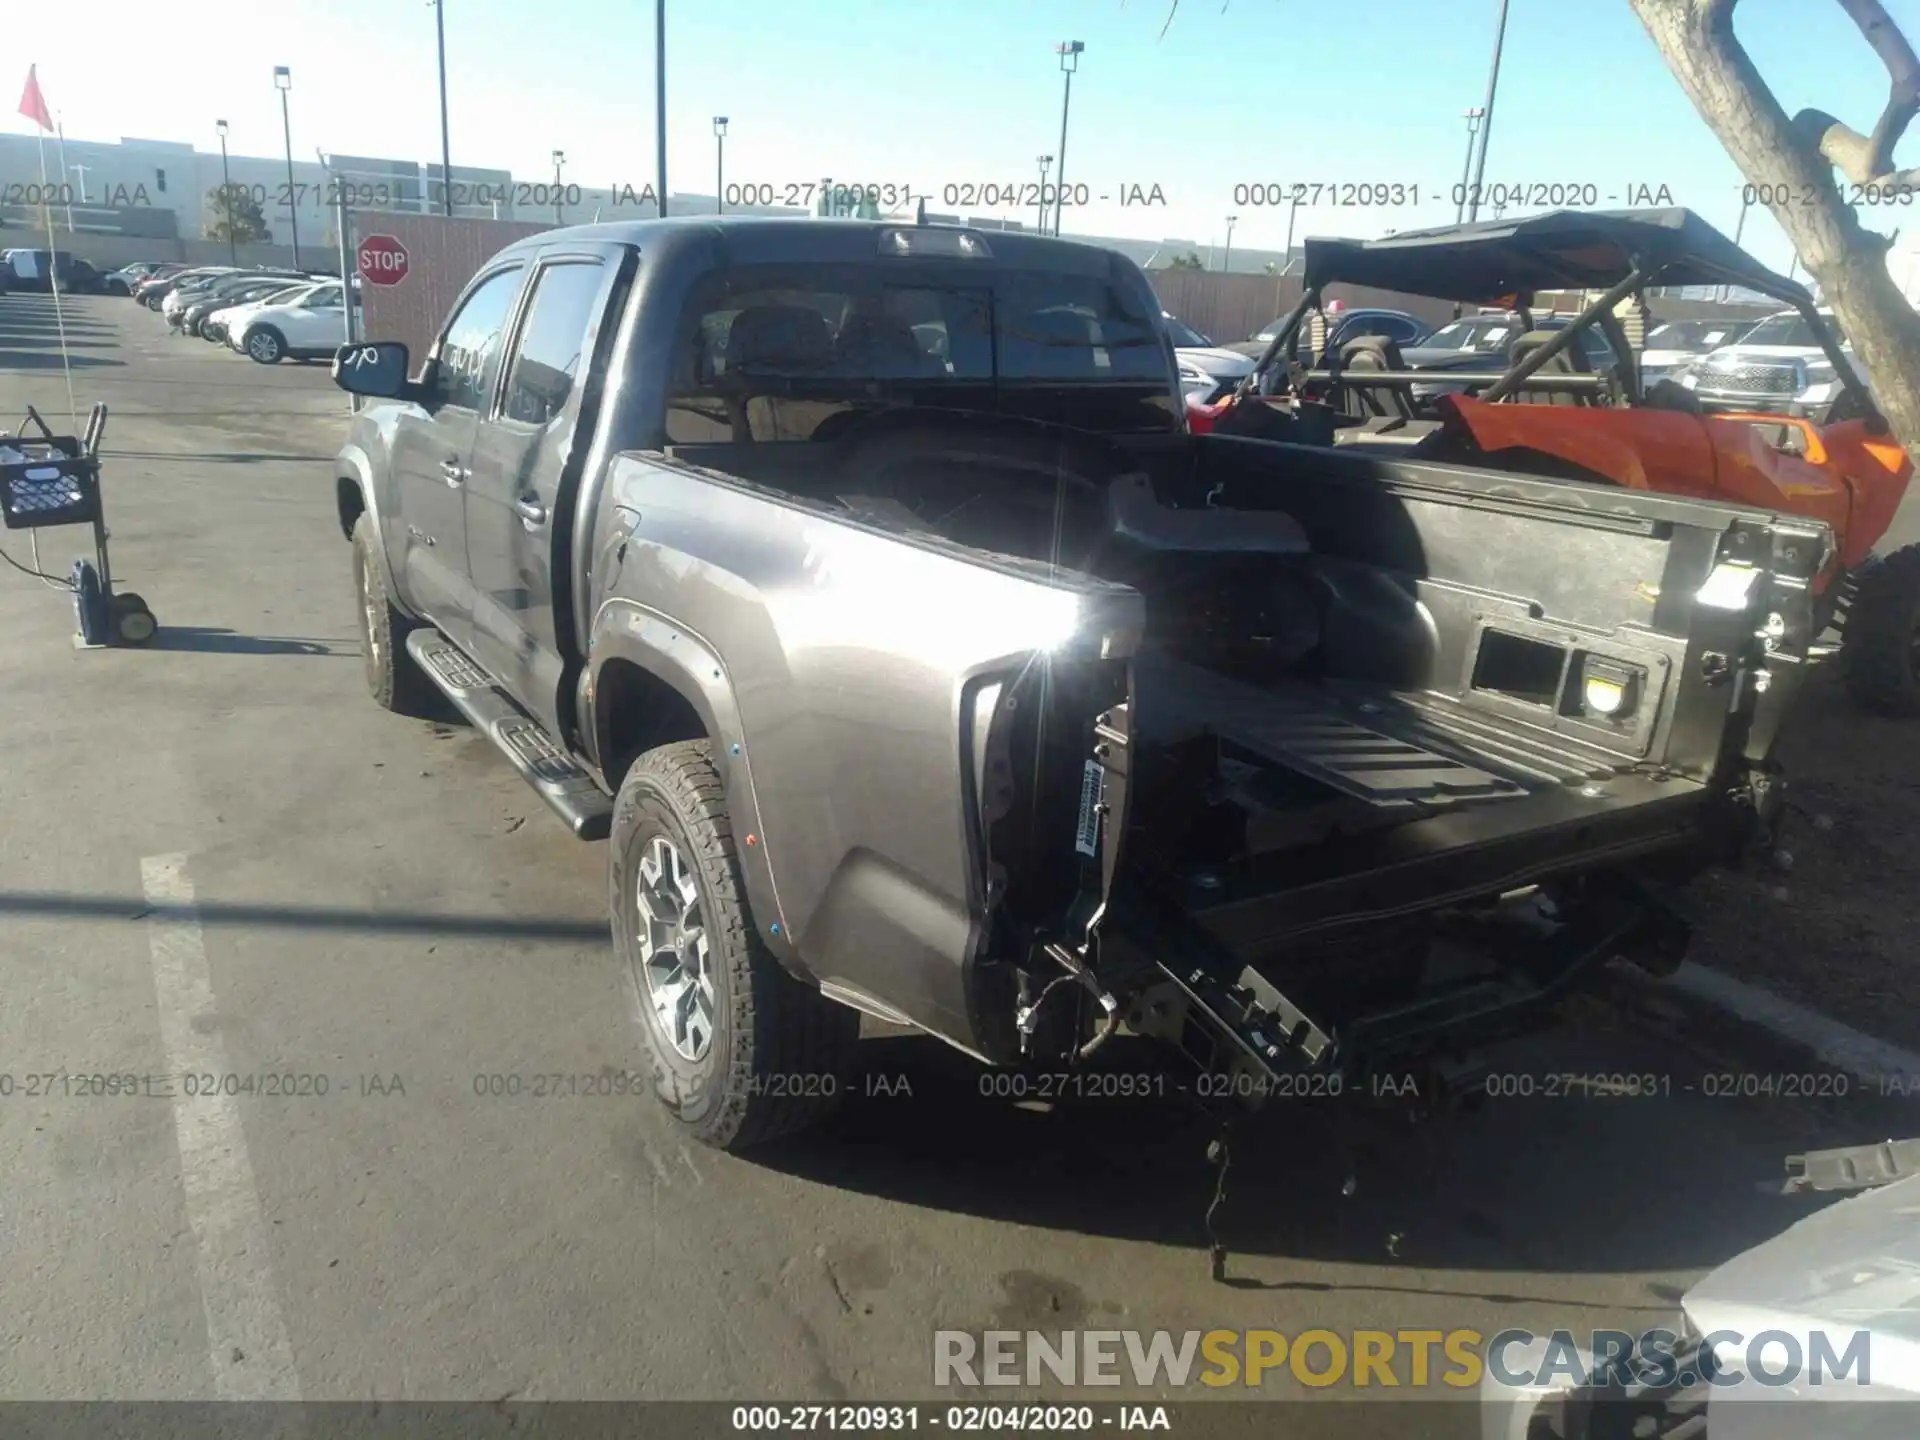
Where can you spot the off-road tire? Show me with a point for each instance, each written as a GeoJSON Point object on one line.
{"type": "Point", "coordinates": [779, 1052]}
{"type": "Point", "coordinates": [1881, 648]}
{"type": "Point", "coordinates": [393, 679]}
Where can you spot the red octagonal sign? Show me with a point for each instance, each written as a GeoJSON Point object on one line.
{"type": "Point", "coordinates": [383, 260]}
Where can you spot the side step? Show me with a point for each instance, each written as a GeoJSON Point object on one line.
{"type": "Point", "coordinates": [568, 790]}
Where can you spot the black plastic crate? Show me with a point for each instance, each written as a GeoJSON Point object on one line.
{"type": "Point", "coordinates": [54, 486]}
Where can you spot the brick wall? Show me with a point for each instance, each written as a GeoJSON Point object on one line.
{"type": "Point", "coordinates": [442, 255]}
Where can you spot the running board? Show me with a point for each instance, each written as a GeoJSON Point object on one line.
{"type": "Point", "coordinates": [568, 790]}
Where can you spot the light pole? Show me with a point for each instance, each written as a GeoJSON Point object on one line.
{"type": "Point", "coordinates": [1069, 52]}
{"type": "Point", "coordinates": [226, 192]}
{"type": "Point", "coordinates": [1293, 212]}
{"type": "Point", "coordinates": [81, 171]}
{"type": "Point", "coordinates": [719, 164]}
{"type": "Point", "coordinates": [1486, 122]}
{"type": "Point", "coordinates": [283, 82]}
{"type": "Point", "coordinates": [1040, 214]}
{"type": "Point", "coordinates": [559, 159]}
{"type": "Point", "coordinates": [660, 97]}
{"type": "Point", "coordinates": [446, 152]}
{"type": "Point", "coordinates": [1474, 116]}
{"type": "Point", "coordinates": [1226, 260]}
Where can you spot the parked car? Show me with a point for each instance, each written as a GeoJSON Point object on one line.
{"type": "Point", "coordinates": [51, 270]}
{"type": "Point", "coordinates": [122, 281]}
{"type": "Point", "coordinates": [1779, 367]}
{"type": "Point", "coordinates": [208, 287]}
{"type": "Point", "coordinates": [193, 289]}
{"type": "Point", "coordinates": [154, 290]}
{"type": "Point", "coordinates": [1343, 325]}
{"type": "Point", "coordinates": [959, 683]}
{"type": "Point", "coordinates": [1206, 370]}
{"type": "Point", "coordinates": [309, 326]}
{"type": "Point", "coordinates": [1811, 1333]}
{"type": "Point", "coordinates": [1473, 342]}
{"type": "Point", "coordinates": [1679, 343]}
{"type": "Point", "coordinates": [240, 290]}
{"type": "Point", "coordinates": [219, 324]}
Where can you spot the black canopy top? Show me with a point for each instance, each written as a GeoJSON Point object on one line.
{"type": "Point", "coordinates": [1496, 261]}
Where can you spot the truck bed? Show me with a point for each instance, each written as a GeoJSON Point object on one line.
{"type": "Point", "coordinates": [1360, 801]}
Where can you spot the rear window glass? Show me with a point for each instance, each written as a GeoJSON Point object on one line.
{"type": "Point", "coordinates": [1072, 327]}
{"type": "Point", "coordinates": [773, 352]}
{"type": "Point", "coordinates": [1792, 329]}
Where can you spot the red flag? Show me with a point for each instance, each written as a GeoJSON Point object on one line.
{"type": "Point", "coordinates": [33, 104]}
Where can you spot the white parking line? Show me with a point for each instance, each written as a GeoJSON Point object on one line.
{"type": "Point", "coordinates": [252, 1357]}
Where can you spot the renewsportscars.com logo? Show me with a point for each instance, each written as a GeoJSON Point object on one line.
{"type": "Point", "coordinates": [1457, 1359]}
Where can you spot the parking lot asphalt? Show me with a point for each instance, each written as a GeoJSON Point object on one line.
{"type": "Point", "coordinates": [218, 857]}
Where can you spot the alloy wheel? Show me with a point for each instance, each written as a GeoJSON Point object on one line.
{"type": "Point", "coordinates": [673, 966]}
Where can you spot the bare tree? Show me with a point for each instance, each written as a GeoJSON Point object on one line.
{"type": "Point", "coordinates": [1793, 164]}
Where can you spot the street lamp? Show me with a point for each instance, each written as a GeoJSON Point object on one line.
{"type": "Point", "coordinates": [719, 164]}
{"type": "Point", "coordinates": [559, 159]}
{"type": "Point", "coordinates": [1226, 260]}
{"type": "Point", "coordinates": [1486, 127]}
{"type": "Point", "coordinates": [283, 82]}
{"type": "Point", "coordinates": [1040, 217]}
{"type": "Point", "coordinates": [226, 192]}
{"type": "Point", "coordinates": [446, 153]}
{"type": "Point", "coordinates": [1293, 212]}
{"type": "Point", "coordinates": [1069, 52]}
{"type": "Point", "coordinates": [1474, 117]}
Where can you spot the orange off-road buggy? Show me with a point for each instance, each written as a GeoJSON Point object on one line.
{"type": "Point", "coordinates": [1546, 407]}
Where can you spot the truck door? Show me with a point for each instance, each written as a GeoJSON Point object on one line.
{"type": "Point", "coordinates": [523, 465]}
{"type": "Point", "coordinates": [431, 447]}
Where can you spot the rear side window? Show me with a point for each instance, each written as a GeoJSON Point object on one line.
{"type": "Point", "coordinates": [778, 352]}
{"type": "Point", "coordinates": [546, 363]}
{"type": "Point", "coordinates": [790, 352]}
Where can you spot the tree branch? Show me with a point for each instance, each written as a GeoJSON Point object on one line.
{"type": "Point", "coordinates": [1903, 71]}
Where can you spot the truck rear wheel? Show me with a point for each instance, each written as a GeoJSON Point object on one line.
{"type": "Point", "coordinates": [1880, 649]}
{"type": "Point", "coordinates": [393, 680]}
{"type": "Point", "coordinates": [740, 1051]}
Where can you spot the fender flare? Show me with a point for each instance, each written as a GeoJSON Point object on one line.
{"type": "Point", "coordinates": [353, 466]}
{"type": "Point", "coordinates": [692, 667]}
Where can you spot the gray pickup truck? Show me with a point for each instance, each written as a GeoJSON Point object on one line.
{"type": "Point", "coordinates": [865, 586]}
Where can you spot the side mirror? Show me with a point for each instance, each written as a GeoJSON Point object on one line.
{"type": "Point", "coordinates": [379, 369]}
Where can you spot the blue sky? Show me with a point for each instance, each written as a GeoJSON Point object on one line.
{"type": "Point", "coordinates": [931, 93]}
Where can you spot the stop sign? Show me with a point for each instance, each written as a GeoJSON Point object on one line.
{"type": "Point", "coordinates": [383, 260]}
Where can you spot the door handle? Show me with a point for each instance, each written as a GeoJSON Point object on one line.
{"type": "Point", "coordinates": [530, 510]}
{"type": "Point", "coordinates": [451, 472]}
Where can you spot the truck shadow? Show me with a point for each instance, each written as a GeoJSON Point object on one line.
{"type": "Point", "coordinates": [210, 639]}
{"type": "Point", "coordinates": [1546, 1185]}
